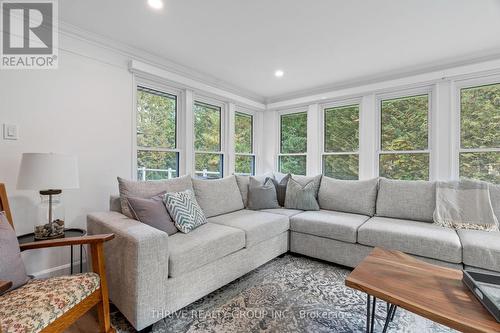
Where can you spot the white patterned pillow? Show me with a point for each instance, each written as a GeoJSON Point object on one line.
{"type": "Point", "coordinates": [184, 210]}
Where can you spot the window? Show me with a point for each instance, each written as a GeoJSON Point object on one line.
{"type": "Point", "coordinates": [404, 144]}
{"type": "Point", "coordinates": [480, 133]}
{"type": "Point", "coordinates": [243, 144]}
{"type": "Point", "coordinates": [293, 143]}
{"type": "Point", "coordinates": [341, 142]}
{"type": "Point", "coordinates": [208, 140]}
{"type": "Point", "coordinates": [157, 154]}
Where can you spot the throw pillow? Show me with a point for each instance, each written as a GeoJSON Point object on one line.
{"type": "Point", "coordinates": [11, 265]}
{"type": "Point", "coordinates": [185, 211]}
{"type": "Point", "coordinates": [262, 196]}
{"type": "Point", "coordinates": [281, 188]}
{"type": "Point", "coordinates": [152, 212]}
{"type": "Point", "coordinates": [148, 189]}
{"type": "Point", "coordinates": [300, 196]}
{"type": "Point", "coordinates": [244, 181]}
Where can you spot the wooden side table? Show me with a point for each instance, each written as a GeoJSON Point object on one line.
{"type": "Point", "coordinates": [68, 233]}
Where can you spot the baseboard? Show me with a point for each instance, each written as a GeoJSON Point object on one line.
{"type": "Point", "coordinates": [59, 270]}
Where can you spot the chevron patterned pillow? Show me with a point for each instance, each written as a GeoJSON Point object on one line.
{"type": "Point", "coordinates": [184, 210]}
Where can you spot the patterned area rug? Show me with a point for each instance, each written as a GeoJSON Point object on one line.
{"type": "Point", "coordinates": [288, 294]}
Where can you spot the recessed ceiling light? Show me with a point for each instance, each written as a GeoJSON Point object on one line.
{"type": "Point", "coordinates": [279, 73]}
{"type": "Point", "coordinates": [155, 4]}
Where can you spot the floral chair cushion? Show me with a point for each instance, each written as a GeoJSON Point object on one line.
{"type": "Point", "coordinates": [38, 303]}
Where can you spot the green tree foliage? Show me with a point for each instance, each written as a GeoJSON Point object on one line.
{"type": "Point", "coordinates": [404, 126]}
{"type": "Point", "coordinates": [207, 133]}
{"type": "Point", "coordinates": [243, 132]}
{"type": "Point", "coordinates": [480, 128]}
{"type": "Point", "coordinates": [341, 130]}
{"type": "Point", "coordinates": [293, 140]}
{"type": "Point", "coordinates": [156, 128]}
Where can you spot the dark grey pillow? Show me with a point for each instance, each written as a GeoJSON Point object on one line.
{"type": "Point", "coordinates": [152, 212]}
{"type": "Point", "coordinates": [300, 196]}
{"type": "Point", "coordinates": [281, 188]}
{"type": "Point", "coordinates": [11, 265]}
{"type": "Point", "coordinates": [262, 195]}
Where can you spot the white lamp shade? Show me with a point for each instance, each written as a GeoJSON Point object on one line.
{"type": "Point", "coordinates": [40, 171]}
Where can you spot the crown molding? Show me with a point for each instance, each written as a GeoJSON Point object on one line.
{"type": "Point", "coordinates": [133, 53]}
{"type": "Point", "coordinates": [470, 59]}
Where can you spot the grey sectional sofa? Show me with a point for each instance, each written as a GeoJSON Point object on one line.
{"type": "Point", "coordinates": [152, 274]}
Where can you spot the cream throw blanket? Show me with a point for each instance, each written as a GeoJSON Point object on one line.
{"type": "Point", "coordinates": [464, 204]}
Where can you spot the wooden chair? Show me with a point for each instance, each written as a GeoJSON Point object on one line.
{"type": "Point", "coordinates": [98, 297]}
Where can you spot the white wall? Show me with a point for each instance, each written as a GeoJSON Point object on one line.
{"type": "Point", "coordinates": [86, 108]}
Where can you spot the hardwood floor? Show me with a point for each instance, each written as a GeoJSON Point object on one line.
{"type": "Point", "coordinates": [86, 324]}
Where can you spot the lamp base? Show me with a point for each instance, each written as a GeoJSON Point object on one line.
{"type": "Point", "coordinates": [50, 230]}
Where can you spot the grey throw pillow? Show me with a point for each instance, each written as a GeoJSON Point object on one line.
{"type": "Point", "coordinates": [148, 189]}
{"type": "Point", "coordinates": [281, 188]}
{"type": "Point", "coordinates": [11, 265]}
{"type": "Point", "coordinates": [152, 212]}
{"type": "Point", "coordinates": [262, 195]}
{"type": "Point", "coordinates": [300, 196]}
{"type": "Point", "coordinates": [185, 211]}
{"type": "Point", "coordinates": [244, 181]}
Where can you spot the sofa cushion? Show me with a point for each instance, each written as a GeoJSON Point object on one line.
{"type": "Point", "coordinates": [413, 237]}
{"type": "Point", "coordinates": [329, 224]}
{"type": "Point", "coordinates": [218, 196]}
{"type": "Point", "coordinates": [258, 226]}
{"type": "Point", "coordinates": [402, 199]}
{"type": "Point", "coordinates": [300, 196]}
{"type": "Point", "coordinates": [495, 199]}
{"type": "Point", "coordinates": [148, 189]}
{"type": "Point", "coordinates": [283, 211]}
{"type": "Point", "coordinates": [244, 181]}
{"type": "Point", "coordinates": [185, 211]}
{"type": "Point", "coordinates": [262, 195]}
{"type": "Point", "coordinates": [37, 304]}
{"type": "Point", "coordinates": [481, 248]}
{"type": "Point", "coordinates": [201, 246]}
{"type": "Point", "coordinates": [11, 264]}
{"type": "Point", "coordinates": [153, 212]}
{"type": "Point", "coordinates": [350, 196]}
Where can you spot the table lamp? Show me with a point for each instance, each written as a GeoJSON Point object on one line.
{"type": "Point", "coordinates": [48, 173]}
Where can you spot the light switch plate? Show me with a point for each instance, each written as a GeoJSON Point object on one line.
{"type": "Point", "coordinates": [10, 132]}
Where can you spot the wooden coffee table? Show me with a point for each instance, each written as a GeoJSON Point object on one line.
{"type": "Point", "coordinates": [431, 291]}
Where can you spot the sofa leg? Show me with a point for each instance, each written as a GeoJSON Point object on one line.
{"type": "Point", "coordinates": [148, 329]}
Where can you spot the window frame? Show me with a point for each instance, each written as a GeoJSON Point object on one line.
{"type": "Point", "coordinates": [338, 104]}
{"type": "Point", "coordinates": [162, 89]}
{"type": "Point", "coordinates": [253, 145]}
{"type": "Point", "coordinates": [222, 132]}
{"type": "Point", "coordinates": [427, 90]}
{"type": "Point", "coordinates": [457, 126]}
{"type": "Point", "coordinates": [280, 154]}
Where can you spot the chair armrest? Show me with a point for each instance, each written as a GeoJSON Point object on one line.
{"type": "Point", "coordinates": [66, 241]}
{"type": "Point", "coordinates": [136, 264]}
{"type": "Point", "coordinates": [4, 286]}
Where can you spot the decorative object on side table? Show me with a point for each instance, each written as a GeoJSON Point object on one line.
{"type": "Point", "coordinates": [49, 173]}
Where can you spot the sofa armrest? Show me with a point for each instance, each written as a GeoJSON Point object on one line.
{"type": "Point", "coordinates": [136, 265]}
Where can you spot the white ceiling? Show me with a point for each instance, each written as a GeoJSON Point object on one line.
{"type": "Point", "coordinates": [317, 43]}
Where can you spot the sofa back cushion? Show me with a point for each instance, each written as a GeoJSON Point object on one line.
{"type": "Point", "coordinates": [218, 196]}
{"type": "Point", "coordinates": [350, 196]}
{"type": "Point", "coordinates": [495, 199]}
{"type": "Point", "coordinates": [403, 199]}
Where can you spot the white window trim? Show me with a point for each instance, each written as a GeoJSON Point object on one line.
{"type": "Point", "coordinates": [457, 148]}
{"type": "Point", "coordinates": [154, 85]}
{"type": "Point", "coordinates": [224, 131]}
{"type": "Point", "coordinates": [338, 104]}
{"type": "Point", "coordinates": [253, 114]}
{"type": "Point", "coordinates": [278, 150]}
{"type": "Point", "coordinates": [426, 90]}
